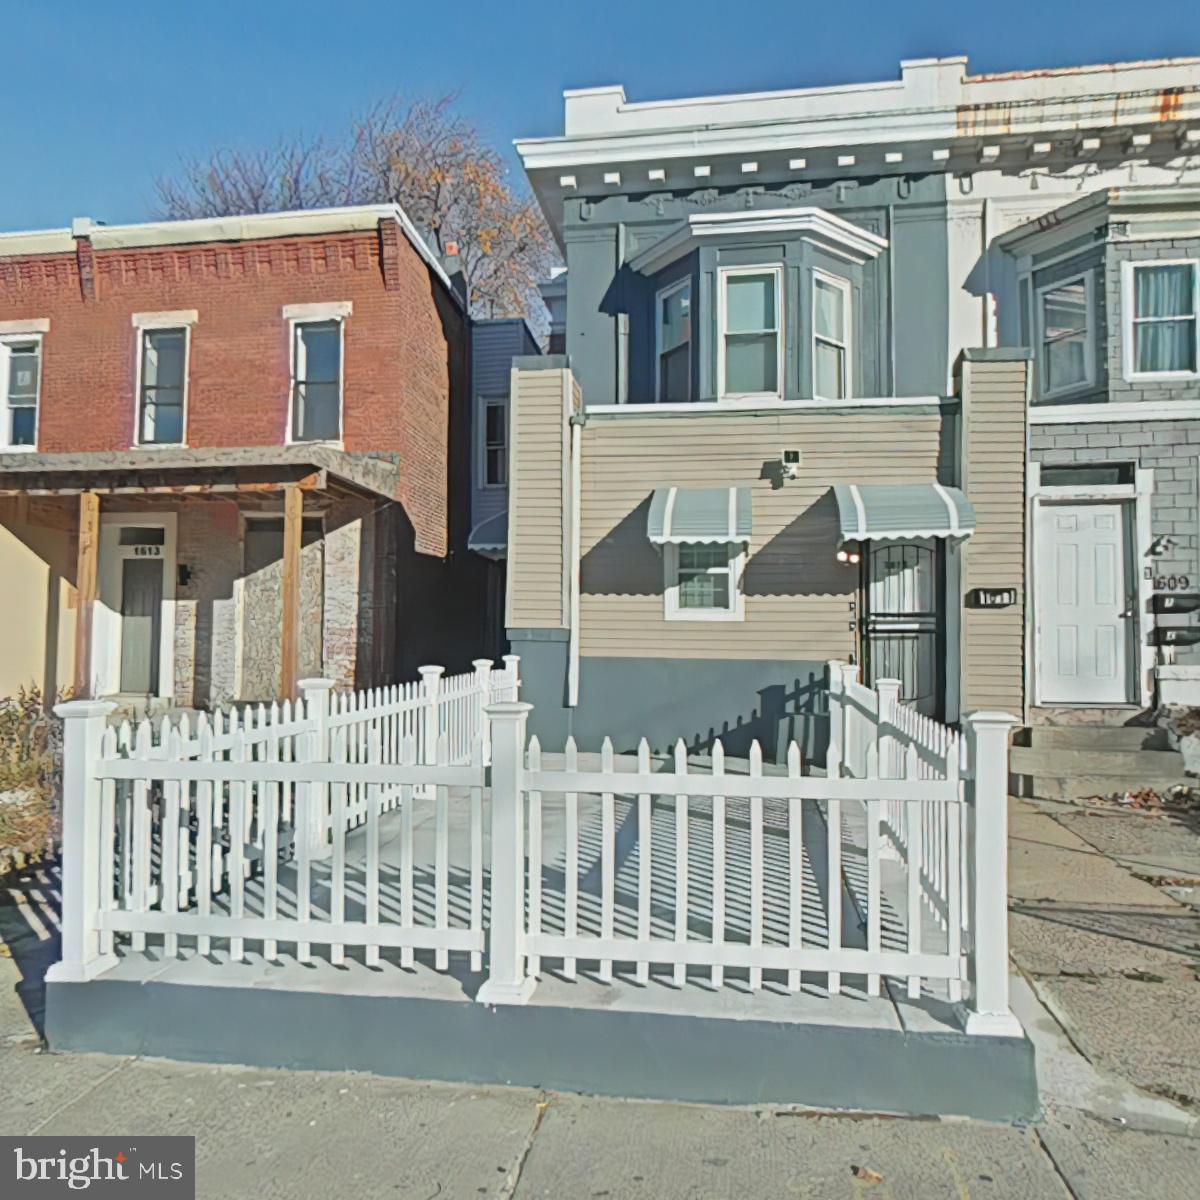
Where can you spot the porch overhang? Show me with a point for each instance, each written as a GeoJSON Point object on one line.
{"type": "Point", "coordinates": [721, 514]}
{"type": "Point", "coordinates": [196, 472]}
{"type": "Point", "coordinates": [490, 536]}
{"type": "Point", "coordinates": [906, 510]}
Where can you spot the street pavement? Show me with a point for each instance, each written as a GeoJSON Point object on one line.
{"type": "Point", "coordinates": [1107, 985]}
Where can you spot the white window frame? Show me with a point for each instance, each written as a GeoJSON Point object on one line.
{"type": "Point", "coordinates": [316, 314]}
{"type": "Point", "coordinates": [481, 459]}
{"type": "Point", "coordinates": [723, 275]}
{"type": "Point", "coordinates": [1129, 319]}
{"type": "Point", "coordinates": [155, 322]}
{"type": "Point", "coordinates": [659, 298]}
{"type": "Point", "coordinates": [1039, 324]}
{"type": "Point", "coordinates": [843, 285]}
{"type": "Point", "coordinates": [10, 337]}
{"type": "Point", "coordinates": [737, 601]}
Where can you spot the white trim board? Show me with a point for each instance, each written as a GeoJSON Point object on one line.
{"type": "Point", "coordinates": [1105, 414]}
{"type": "Point", "coordinates": [774, 408]}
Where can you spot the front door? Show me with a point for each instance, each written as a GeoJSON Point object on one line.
{"type": "Point", "coordinates": [141, 624]}
{"type": "Point", "coordinates": [1083, 604]}
{"type": "Point", "coordinates": [903, 632]}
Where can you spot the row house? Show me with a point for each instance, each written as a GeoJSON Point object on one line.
{"type": "Point", "coordinates": [232, 455]}
{"type": "Point", "coordinates": [809, 343]}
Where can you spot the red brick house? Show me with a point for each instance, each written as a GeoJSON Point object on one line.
{"type": "Point", "coordinates": [229, 454]}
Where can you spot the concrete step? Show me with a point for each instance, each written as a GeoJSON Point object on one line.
{"type": "Point", "coordinates": [1080, 787]}
{"type": "Point", "coordinates": [1154, 764]}
{"type": "Point", "coordinates": [1090, 737]}
{"type": "Point", "coordinates": [1092, 762]}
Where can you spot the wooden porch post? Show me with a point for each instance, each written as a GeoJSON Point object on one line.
{"type": "Point", "coordinates": [88, 553]}
{"type": "Point", "coordinates": [289, 657]}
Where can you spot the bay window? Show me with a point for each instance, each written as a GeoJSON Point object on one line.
{"type": "Point", "coordinates": [750, 343]}
{"type": "Point", "coordinates": [1065, 334]}
{"type": "Point", "coordinates": [831, 337]}
{"type": "Point", "coordinates": [1162, 300]}
{"type": "Point", "coordinates": [674, 344]}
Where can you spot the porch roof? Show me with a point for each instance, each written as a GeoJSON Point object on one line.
{"type": "Point", "coordinates": [184, 471]}
{"type": "Point", "coordinates": [906, 510]}
{"type": "Point", "coordinates": [699, 515]}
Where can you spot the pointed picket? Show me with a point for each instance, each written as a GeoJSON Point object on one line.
{"type": "Point", "coordinates": [756, 863]}
{"type": "Point", "coordinates": [795, 820]}
{"type": "Point", "coordinates": [608, 853]}
{"type": "Point", "coordinates": [534, 897]}
{"type": "Point", "coordinates": [717, 975]}
{"type": "Point", "coordinates": [571, 897]}
{"type": "Point", "coordinates": [681, 863]}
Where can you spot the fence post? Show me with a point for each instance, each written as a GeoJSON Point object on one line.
{"type": "Point", "coordinates": [837, 721]}
{"type": "Point", "coordinates": [431, 683]}
{"type": "Point", "coordinates": [507, 982]}
{"type": "Point", "coordinates": [483, 697]}
{"type": "Point", "coordinates": [853, 749]}
{"type": "Point", "coordinates": [987, 882]}
{"type": "Point", "coordinates": [888, 693]}
{"type": "Point", "coordinates": [84, 722]}
{"type": "Point", "coordinates": [512, 665]}
{"type": "Point", "coordinates": [316, 694]}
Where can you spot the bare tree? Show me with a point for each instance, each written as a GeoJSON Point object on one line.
{"type": "Point", "coordinates": [426, 157]}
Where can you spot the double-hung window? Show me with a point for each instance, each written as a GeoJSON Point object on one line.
{"type": "Point", "coordinates": [1162, 300]}
{"type": "Point", "coordinates": [20, 377]}
{"type": "Point", "coordinates": [162, 386]}
{"type": "Point", "coordinates": [316, 381]}
{"type": "Point", "coordinates": [750, 347]}
{"type": "Point", "coordinates": [493, 463]}
{"type": "Point", "coordinates": [675, 343]}
{"type": "Point", "coordinates": [1065, 334]}
{"type": "Point", "coordinates": [831, 337]}
{"type": "Point", "coordinates": [704, 581]}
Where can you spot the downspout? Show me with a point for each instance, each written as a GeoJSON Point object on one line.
{"type": "Point", "coordinates": [891, 297]}
{"type": "Point", "coordinates": [578, 420]}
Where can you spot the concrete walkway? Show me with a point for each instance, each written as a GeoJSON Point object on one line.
{"type": "Point", "coordinates": [1107, 988]}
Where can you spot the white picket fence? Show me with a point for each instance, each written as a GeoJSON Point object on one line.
{"type": "Point", "coordinates": [363, 823]}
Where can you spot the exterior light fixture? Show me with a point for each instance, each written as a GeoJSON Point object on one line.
{"type": "Point", "coordinates": [849, 553]}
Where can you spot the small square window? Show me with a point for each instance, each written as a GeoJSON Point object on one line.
{"type": "Point", "coordinates": [703, 581]}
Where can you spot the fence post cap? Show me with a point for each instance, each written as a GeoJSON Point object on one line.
{"type": "Point", "coordinates": [992, 717]}
{"type": "Point", "coordinates": [316, 685]}
{"type": "Point", "coordinates": [481, 664]}
{"type": "Point", "coordinates": [431, 672]}
{"type": "Point", "coordinates": [888, 685]}
{"type": "Point", "coordinates": [508, 709]}
{"type": "Point", "coordinates": [84, 708]}
{"type": "Point", "coordinates": [511, 658]}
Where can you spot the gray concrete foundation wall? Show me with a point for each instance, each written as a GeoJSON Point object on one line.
{"type": "Point", "coordinates": [635, 1054]}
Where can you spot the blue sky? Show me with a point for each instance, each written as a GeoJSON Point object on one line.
{"type": "Point", "coordinates": [100, 98]}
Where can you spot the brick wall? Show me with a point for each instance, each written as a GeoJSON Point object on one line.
{"type": "Point", "coordinates": [404, 345]}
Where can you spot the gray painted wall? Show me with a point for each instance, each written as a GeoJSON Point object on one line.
{"type": "Point", "coordinates": [904, 290]}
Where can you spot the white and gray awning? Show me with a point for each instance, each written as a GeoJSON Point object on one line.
{"type": "Point", "coordinates": [699, 515]}
{"type": "Point", "coordinates": [905, 510]}
{"type": "Point", "coordinates": [490, 536]}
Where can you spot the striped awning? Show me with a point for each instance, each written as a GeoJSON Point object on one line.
{"type": "Point", "coordinates": [490, 536]}
{"type": "Point", "coordinates": [699, 515]}
{"type": "Point", "coordinates": [905, 510]}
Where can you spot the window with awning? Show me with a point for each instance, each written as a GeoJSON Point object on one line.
{"type": "Point", "coordinates": [679, 515]}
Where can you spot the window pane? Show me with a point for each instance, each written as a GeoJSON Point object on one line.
{"type": "Point", "coordinates": [1064, 310]}
{"type": "Point", "coordinates": [700, 556]}
{"type": "Point", "coordinates": [704, 591]}
{"type": "Point", "coordinates": [496, 466]}
{"type": "Point", "coordinates": [1066, 362]}
{"type": "Point", "coordinates": [494, 424]}
{"type": "Point", "coordinates": [162, 420]}
{"type": "Point", "coordinates": [751, 364]}
{"type": "Point", "coordinates": [319, 360]}
{"type": "Point", "coordinates": [22, 375]}
{"type": "Point", "coordinates": [162, 358]}
{"type": "Point", "coordinates": [1165, 346]}
{"type": "Point", "coordinates": [23, 422]}
{"type": "Point", "coordinates": [675, 375]}
{"type": "Point", "coordinates": [749, 303]}
{"type": "Point", "coordinates": [317, 412]}
{"type": "Point", "coordinates": [1163, 291]}
{"type": "Point", "coordinates": [829, 317]}
{"type": "Point", "coordinates": [676, 318]}
{"type": "Point", "coordinates": [829, 382]}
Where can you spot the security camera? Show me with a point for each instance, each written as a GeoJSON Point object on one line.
{"type": "Point", "coordinates": [791, 463]}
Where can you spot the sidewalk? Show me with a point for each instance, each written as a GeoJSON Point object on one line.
{"type": "Point", "coordinates": [1112, 955]}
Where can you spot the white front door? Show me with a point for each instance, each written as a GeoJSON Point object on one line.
{"type": "Point", "coordinates": [1083, 606]}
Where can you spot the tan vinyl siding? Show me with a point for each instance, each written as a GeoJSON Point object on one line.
{"type": "Point", "coordinates": [536, 515]}
{"type": "Point", "coordinates": [797, 596]}
{"type": "Point", "coordinates": [993, 641]}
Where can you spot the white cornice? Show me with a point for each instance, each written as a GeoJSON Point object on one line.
{"type": "Point", "coordinates": [823, 228]}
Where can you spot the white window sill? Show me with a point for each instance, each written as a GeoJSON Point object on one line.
{"type": "Point", "coordinates": [159, 446]}
{"type": "Point", "coordinates": [705, 617]}
{"type": "Point", "coordinates": [18, 449]}
{"type": "Point", "coordinates": [329, 443]}
{"type": "Point", "coordinates": [1163, 377]}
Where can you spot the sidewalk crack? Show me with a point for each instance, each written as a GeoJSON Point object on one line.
{"type": "Point", "coordinates": [513, 1179]}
